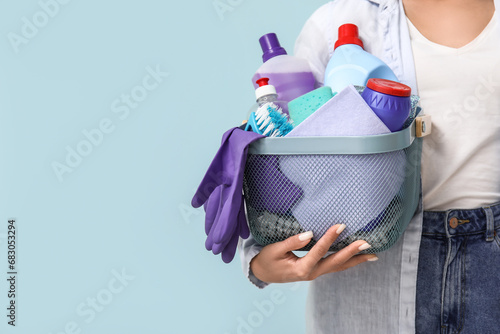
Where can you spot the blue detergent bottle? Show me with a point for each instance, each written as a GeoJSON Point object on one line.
{"type": "Point", "coordinates": [351, 64]}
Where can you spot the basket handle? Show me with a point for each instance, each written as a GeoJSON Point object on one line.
{"type": "Point", "coordinates": [423, 126]}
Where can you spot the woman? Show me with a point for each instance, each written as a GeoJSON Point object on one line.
{"type": "Point", "coordinates": [443, 276]}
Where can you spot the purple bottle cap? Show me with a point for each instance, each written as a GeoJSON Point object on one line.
{"type": "Point", "coordinates": [271, 46]}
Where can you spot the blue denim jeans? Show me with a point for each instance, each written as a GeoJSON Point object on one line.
{"type": "Point", "coordinates": [458, 282]}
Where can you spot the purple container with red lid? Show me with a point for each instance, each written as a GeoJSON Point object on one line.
{"type": "Point", "coordinates": [389, 100]}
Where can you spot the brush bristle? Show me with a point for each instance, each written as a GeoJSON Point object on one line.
{"type": "Point", "coordinates": [279, 120]}
{"type": "Point", "coordinates": [272, 121]}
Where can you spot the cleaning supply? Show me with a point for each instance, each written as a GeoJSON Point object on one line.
{"type": "Point", "coordinates": [292, 76]}
{"type": "Point", "coordinates": [390, 100]}
{"type": "Point", "coordinates": [305, 105]}
{"type": "Point", "coordinates": [273, 224]}
{"type": "Point", "coordinates": [346, 114]}
{"type": "Point", "coordinates": [270, 190]}
{"type": "Point", "coordinates": [351, 64]}
{"type": "Point", "coordinates": [220, 192]}
{"type": "Point", "coordinates": [269, 119]}
{"type": "Point", "coordinates": [265, 92]}
{"type": "Point", "coordinates": [327, 179]}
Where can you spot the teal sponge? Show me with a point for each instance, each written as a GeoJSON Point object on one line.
{"type": "Point", "coordinates": [305, 105]}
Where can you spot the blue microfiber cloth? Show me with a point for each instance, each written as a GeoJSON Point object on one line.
{"type": "Point", "coordinates": [346, 114]}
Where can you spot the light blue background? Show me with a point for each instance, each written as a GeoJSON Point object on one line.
{"type": "Point", "coordinates": [126, 205]}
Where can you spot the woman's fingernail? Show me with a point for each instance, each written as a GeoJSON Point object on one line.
{"type": "Point", "coordinates": [364, 246]}
{"type": "Point", "coordinates": [373, 259]}
{"type": "Point", "coordinates": [305, 236]}
{"type": "Point", "coordinates": [341, 228]}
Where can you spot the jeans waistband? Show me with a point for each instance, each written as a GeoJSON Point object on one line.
{"type": "Point", "coordinates": [462, 222]}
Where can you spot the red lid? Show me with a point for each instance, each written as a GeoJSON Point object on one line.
{"type": "Point", "coordinates": [262, 82]}
{"type": "Point", "coordinates": [348, 34]}
{"type": "Point", "coordinates": [389, 87]}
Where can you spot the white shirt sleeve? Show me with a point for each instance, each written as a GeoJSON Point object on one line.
{"type": "Point", "coordinates": [248, 249]}
{"type": "Point", "coordinates": [315, 44]}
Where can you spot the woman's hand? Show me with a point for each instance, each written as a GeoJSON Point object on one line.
{"type": "Point", "coordinates": [277, 264]}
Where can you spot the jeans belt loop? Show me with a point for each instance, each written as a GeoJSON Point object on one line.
{"type": "Point", "coordinates": [490, 224]}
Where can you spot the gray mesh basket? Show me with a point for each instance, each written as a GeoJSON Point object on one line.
{"type": "Point", "coordinates": [371, 184]}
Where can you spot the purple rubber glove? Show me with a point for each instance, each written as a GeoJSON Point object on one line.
{"type": "Point", "coordinates": [221, 192]}
{"type": "Point", "coordinates": [230, 250]}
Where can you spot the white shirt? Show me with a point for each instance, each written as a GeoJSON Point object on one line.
{"type": "Point", "coordinates": [460, 168]}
